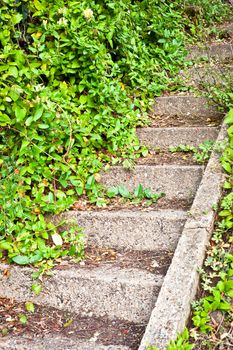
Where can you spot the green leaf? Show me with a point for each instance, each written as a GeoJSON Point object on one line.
{"type": "Point", "coordinates": [38, 5]}
{"type": "Point", "coordinates": [112, 192]}
{"type": "Point", "coordinates": [147, 193]}
{"type": "Point", "coordinates": [83, 99]}
{"type": "Point", "coordinates": [16, 18]}
{"type": "Point", "coordinates": [23, 319]}
{"type": "Point", "coordinates": [43, 126]}
{"type": "Point", "coordinates": [38, 113]}
{"type": "Point", "coordinates": [68, 323]}
{"type": "Point", "coordinates": [30, 307]}
{"type": "Point", "coordinates": [124, 192]}
{"type": "Point", "coordinates": [36, 288]}
{"type": "Point", "coordinates": [4, 119]}
{"type": "Point", "coordinates": [224, 213]}
{"type": "Point", "coordinates": [138, 192]}
{"type": "Point", "coordinates": [230, 131]}
{"type": "Point", "coordinates": [24, 145]}
{"type": "Point", "coordinates": [21, 259]}
{"type": "Point", "coordinates": [35, 258]}
{"type": "Point", "coordinates": [14, 95]}
{"type": "Point", "coordinates": [90, 182]}
{"type": "Point", "coordinates": [29, 121]}
{"type": "Point", "coordinates": [5, 245]}
{"type": "Point", "coordinates": [220, 286]}
{"type": "Point", "coordinates": [13, 71]}
{"type": "Point", "coordinates": [227, 185]}
{"type": "Point", "coordinates": [20, 113]}
{"type": "Point", "coordinates": [226, 166]}
{"type": "Point", "coordinates": [229, 118]}
{"type": "Point", "coordinates": [230, 293]}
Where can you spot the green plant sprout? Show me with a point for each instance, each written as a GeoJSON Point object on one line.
{"type": "Point", "coordinates": [136, 196]}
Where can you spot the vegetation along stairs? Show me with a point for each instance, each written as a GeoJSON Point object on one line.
{"type": "Point", "coordinates": [123, 296]}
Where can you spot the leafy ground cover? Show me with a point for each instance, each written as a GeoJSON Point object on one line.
{"type": "Point", "coordinates": [76, 79]}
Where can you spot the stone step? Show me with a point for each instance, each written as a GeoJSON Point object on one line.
{"type": "Point", "coordinates": [166, 137]}
{"type": "Point", "coordinates": [190, 107]}
{"type": "Point", "coordinates": [177, 182]}
{"type": "Point", "coordinates": [215, 51]}
{"type": "Point", "coordinates": [50, 328]}
{"type": "Point", "coordinates": [130, 229]}
{"type": "Point", "coordinates": [52, 342]}
{"type": "Point", "coordinates": [213, 75]}
{"type": "Point", "coordinates": [128, 294]}
{"type": "Point", "coordinates": [227, 29]}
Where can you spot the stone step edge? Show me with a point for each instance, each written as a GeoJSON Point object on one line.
{"type": "Point", "coordinates": [174, 136]}
{"type": "Point", "coordinates": [123, 293]}
{"type": "Point", "coordinates": [172, 308]}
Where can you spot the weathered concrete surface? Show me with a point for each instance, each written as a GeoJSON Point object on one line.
{"type": "Point", "coordinates": [227, 29]}
{"type": "Point", "coordinates": [135, 229]}
{"type": "Point", "coordinates": [172, 307]}
{"type": "Point", "coordinates": [215, 51]}
{"type": "Point", "coordinates": [166, 137]}
{"type": "Point", "coordinates": [208, 75]}
{"type": "Point", "coordinates": [178, 182]}
{"type": "Point", "coordinates": [188, 106]}
{"type": "Point", "coordinates": [201, 213]}
{"type": "Point", "coordinates": [128, 294]}
{"type": "Point", "coordinates": [52, 342]}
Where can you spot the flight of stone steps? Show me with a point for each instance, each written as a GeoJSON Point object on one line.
{"type": "Point", "coordinates": [110, 299]}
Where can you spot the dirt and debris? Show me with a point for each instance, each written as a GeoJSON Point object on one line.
{"type": "Point", "coordinates": [165, 157]}
{"type": "Point", "coordinates": [45, 321]}
{"type": "Point", "coordinates": [154, 262]}
{"type": "Point", "coordinates": [182, 121]}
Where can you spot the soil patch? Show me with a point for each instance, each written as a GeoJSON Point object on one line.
{"type": "Point", "coordinates": [154, 262]}
{"type": "Point", "coordinates": [120, 203]}
{"type": "Point", "coordinates": [182, 121]}
{"type": "Point", "coordinates": [45, 321]}
{"type": "Point", "coordinates": [166, 157]}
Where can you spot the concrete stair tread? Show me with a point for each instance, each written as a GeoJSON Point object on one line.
{"type": "Point", "coordinates": [50, 328]}
{"type": "Point", "coordinates": [128, 294]}
{"type": "Point", "coordinates": [216, 51]}
{"type": "Point", "coordinates": [227, 29]}
{"type": "Point", "coordinates": [209, 74]}
{"type": "Point", "coordinates": [196, 110]}
{"type": "Point", "coordinates": [159, 178]}
{"type": "Point", "coordinates": [171, 136]}
{"type": "Point", "coordinates": [130, 229]}
{"type": "Point", "coordinates": [51, 342]}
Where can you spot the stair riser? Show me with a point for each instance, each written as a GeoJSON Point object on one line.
{"type": "Point", "coordinates": [86, 292]}
{"type": "Point", "coordinates": [177, 182]}
{"type": "Point", "coordinates": [166, 137]}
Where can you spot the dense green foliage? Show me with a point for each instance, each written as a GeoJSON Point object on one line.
{"type": "Point", "coordinates": [76, 78]}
